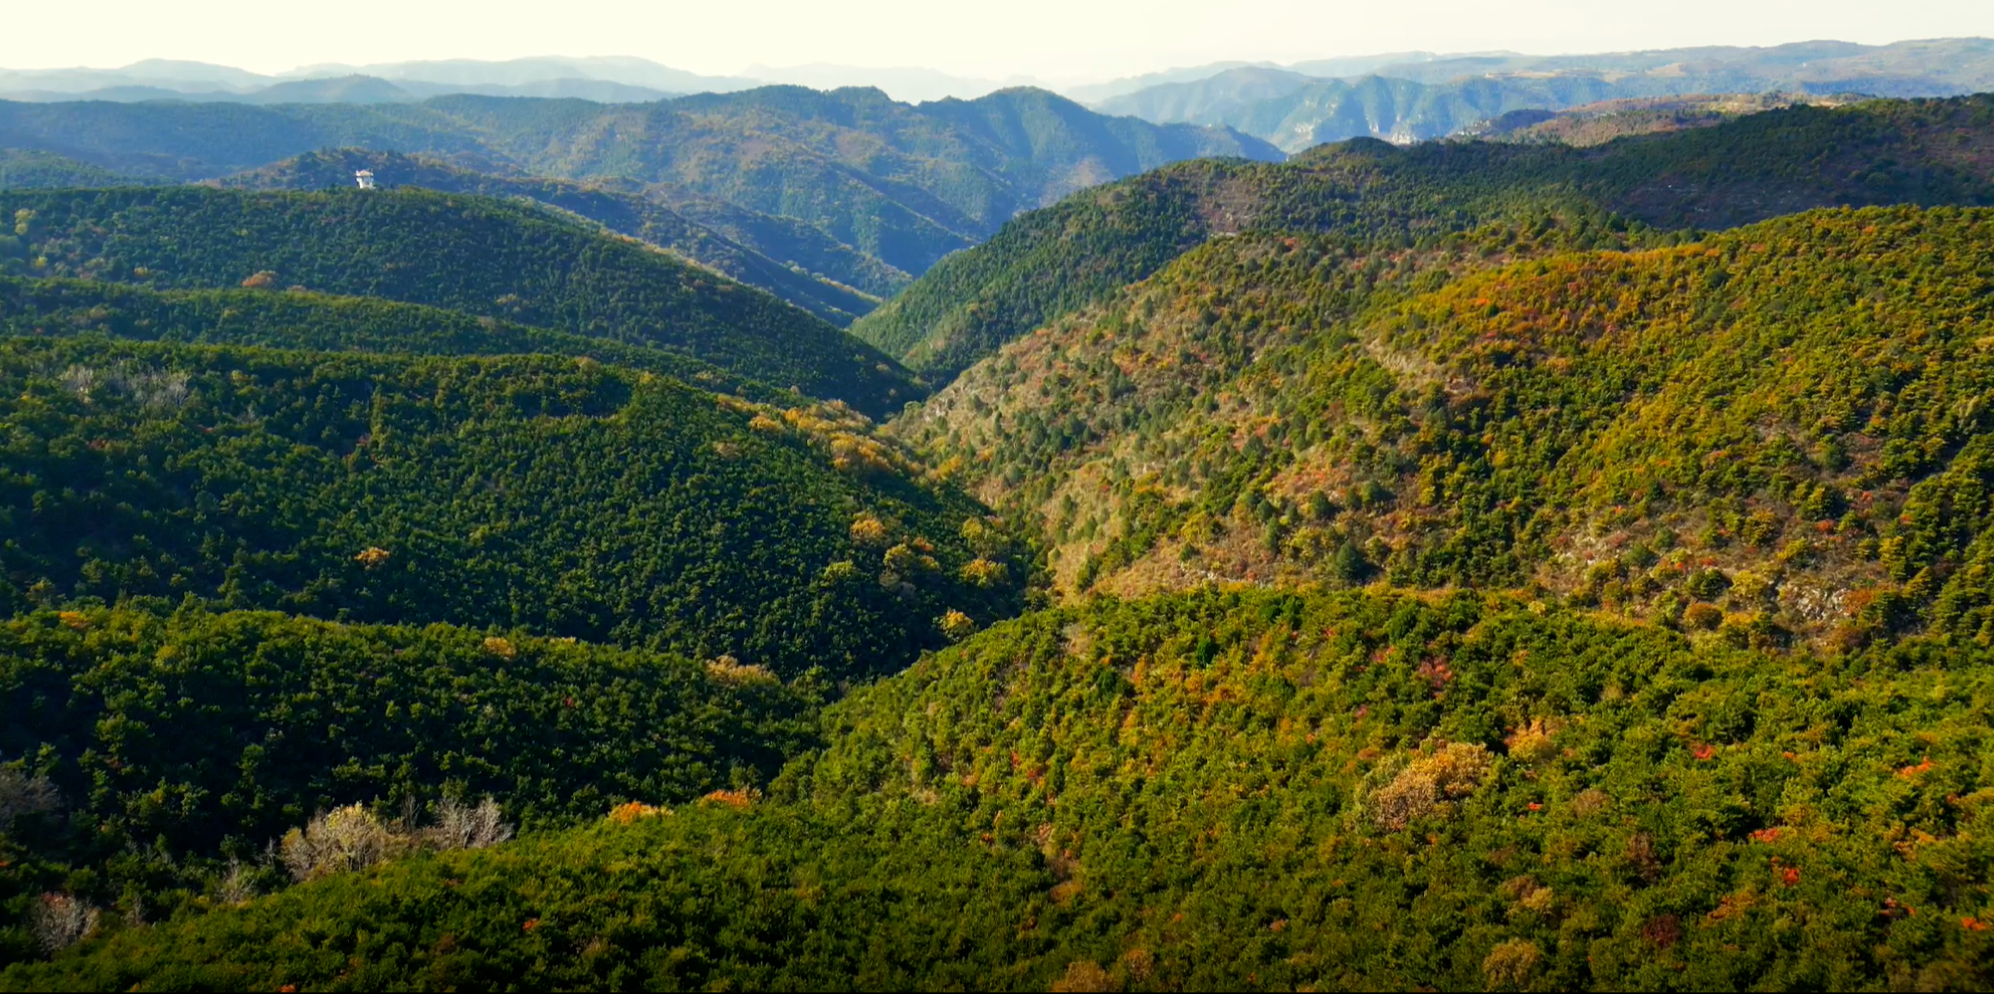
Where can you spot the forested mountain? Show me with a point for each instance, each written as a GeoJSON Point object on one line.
{"type": "Point", "coordinates": [1232, 790]}
{"type": "Point", "coordinates": [1053, 261]}
{"type": "Point", "coordinates": [905, 184]}
{"type": "Point", "coordinates": [1487, 565]}
{"type": "Point", "coordinates": [1422, 98]}
{"type": "Point", "coordinates": [479, 255]}
{"type": "Point", "coordinates": [183, 744]}
{"type": "Point", "coordinates": [1597, 124]}
{"type": "Point", "coordinates": [324, 322]}
{"type": "Point", "coordinates": [1949, 66]}
{"type": "Point", "coordinates": [563, 496]}
{"type": "Point", "coordinates": [21, 169]}
{"type": "Point", "coordinates": [523, 495]}
{"type": "Point", "coordinates": [851, 288]}
{"type": "Point", "coordinates": [1775, 429]}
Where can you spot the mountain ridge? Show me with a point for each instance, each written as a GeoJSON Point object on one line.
{"type": "Point", "coordinates": [1561, 562]}
{"type": "Point", "coordinates": [642, 214]}
{"type": "Point", "coordinates": [906, 185]}
{"type": "Point", "coordinates": [479, 255]}
{"type": "Point", "coordinates": [1933, 151]}
{"type": "Point", "coordinates": [1674, 436]}
{"type": "Point", "coordinates": [1304, 105]}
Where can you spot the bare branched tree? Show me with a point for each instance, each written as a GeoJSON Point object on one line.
{"type": "Point", "coordinates": [464, 826]}
{"type": "Point", "coordinates": [22, 795]}
{"type": "Point", "coordinates": [348, 838]}
{"type": "Point", "coordinates": [61, 920]}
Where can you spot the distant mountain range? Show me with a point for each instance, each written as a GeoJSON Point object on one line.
{"type": "Point", "coordinates": [1597, 124]}
{"type": "Point", "coordinates": [603, 79]}
{"type": "Point", "coordinates": [1358, 65]}
{"type": "Point", "coordinates": [1462, 566]}
{"type": "Point", "coordinates": [829, 200]}
{"type": "Point", "coordinates": [1294, 106]}
{"type": "Point", "coordinates": [1425, 96]}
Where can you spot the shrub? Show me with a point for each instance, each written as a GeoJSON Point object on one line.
{"type": "Point", "coordinates": [907, 558]}
{"type": "Point", "coordinates": [1427, 785]}
{"type": "Point", "coordinates": [237, 885]}
{"type": "Point", "coordinates": [626, 813]}
{"type": "Point", "coordinates": [980, 572]}
{"type": "Point", "coordinates": [1704, 616]}
{"type": "Point", "coordinates": [1511, 963]}
{"type": "Point", "coordinates": [1085, 975]}
{"type": "Point", "coordinates": [868, 530]}
{"type": "Point", "coordinates": [727, 669]}
{"type": "Point", "coordinates": [956, 625]}
{"type": "Point", "coordinates": [1532, 743]}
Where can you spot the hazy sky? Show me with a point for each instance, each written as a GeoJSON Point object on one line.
{"type": "Point", "coordinates": [1050, 39]}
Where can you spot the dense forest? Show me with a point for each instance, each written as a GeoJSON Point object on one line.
{"type": "Point", "coordinates": [183, 742]}
{"type": "Point", "coordinates": [25, 169]}
{"type": "Point", "coordinates": [1474, 565]}
{"type": "Point", "coordinates": [1599, 123]}
{"type": "Point", "coordinates": [301, 319]}
{"type": "Point", "coordinates": [1237, 790]}
{"type": "Point", "coordinates": [761, 250]}
{"type": "Point", "coordinates": [1052, 262]}
{"type": "Point", "coordinates": [483, 256]}
{"type": "Point", "coordinates": [564, 495]}
{"type": "Point", "coordinates": [1777, 429]}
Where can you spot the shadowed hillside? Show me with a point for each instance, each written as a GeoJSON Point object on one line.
{"type": "Point", "coordinates": [478, 255]}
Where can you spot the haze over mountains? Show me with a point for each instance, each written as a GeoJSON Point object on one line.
{"type": "Point", "coordinates": [1400, 97]}
{"type": "Point", "coordinates": [599, 78]}
{"type": "Point", "coordinates": [1941, 67]}
{"type": "Point", "coordinates": [1426, 96]}
{"type": "Point", "coordinates": [834, 199]}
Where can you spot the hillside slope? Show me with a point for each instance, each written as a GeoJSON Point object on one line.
{"type": "Point", "coordinates": [1597, 124]}
{"type": "Point", "coordinates": [1238, 791]}
{"type": "Point", "coordinates": [180, 746]}
{"type": "Point", "coordinates": [551, 494]}
{"type": "Point", "coordinates": [326, 323]}
{"type": "Point", "coordinates": [23, 169]}
{"type": "Point", "coordinates": [1776, 429]}
{"type": "Point", "coordinates": [634, 214]}
{"type": "Point", "coordinates": [902, 183]}
{"type": "Point", "coordinates": [478, 255]}
{"type": "Point", "coordinates": [906, 184]}
{"type": "Point", "coordinates": [1050, 262]}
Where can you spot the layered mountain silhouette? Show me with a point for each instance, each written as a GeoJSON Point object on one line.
{"type": "Point", "coordinates": [1431, 97]}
